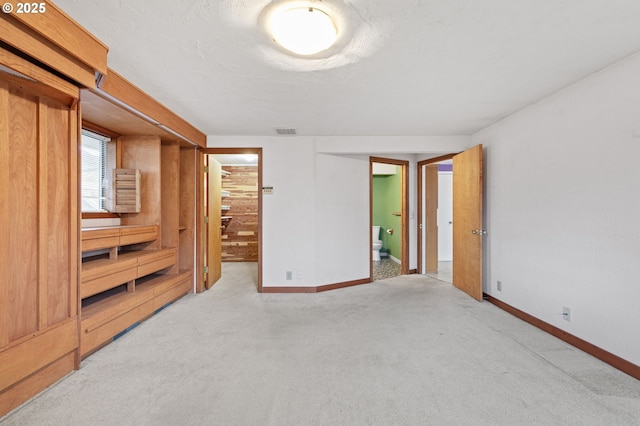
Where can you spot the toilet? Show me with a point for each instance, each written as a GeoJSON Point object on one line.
{"type": "Point", "coordinates": [377, 243]}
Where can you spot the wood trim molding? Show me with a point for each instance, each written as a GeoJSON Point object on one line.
{"type": "Point", "coordinates": [258, 151]}
{"type": "Point", "coordinates": [100, 130]}
{"type": "Point", "coordinates": [615, 361]}
{"type": "Point", "coordinates": [437, 159]}
{"type": "Point", "coordinates": [405, 218]}
{"type": "Point", "coordinates": [49, 84]}
{"type": "Point", "coordinates": [420, 199]}
{"type": "Point", "coordinates": [370, 219]}
{"type": "Point", "coordinates": [343, 285]}
{"type": "Point", "coordinates": [405, 208]}
{"type": "Point", "coordinates": [121, 92]}
{"type": "Point", "coordinates": [388, 161]}
{"type": "Point", "coordinates": [318, 289]}
{"type": "Point", "coordinates": [247, 150]}
{"type": "Point", "coordinates": [61, 30]}
{"type": "Point", "coordinates": [57, 41]}
{"type": "Point", "coordinates": [100, 215]}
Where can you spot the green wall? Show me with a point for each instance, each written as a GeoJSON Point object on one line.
{"type": "Point", "coordinates": [386, 200]}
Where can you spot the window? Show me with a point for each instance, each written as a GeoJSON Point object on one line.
{"type": "Point", "coordinates": [93, 160]}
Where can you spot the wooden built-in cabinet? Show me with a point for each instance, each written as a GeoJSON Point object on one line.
{"type": "Point", "coordinates": [66, 291]}
{"type": "Point", "coordinates": [131, 271]}
{"type": "Point", "coordinates": [39, 213]}
{"type": "Point", "coordinates": [120, 286]}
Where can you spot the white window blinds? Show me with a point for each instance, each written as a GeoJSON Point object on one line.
{"type": "Point", "coordinates": [93, 166]}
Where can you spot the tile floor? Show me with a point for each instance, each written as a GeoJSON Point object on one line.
{"type": "Point", "coordinates": [385, 268]}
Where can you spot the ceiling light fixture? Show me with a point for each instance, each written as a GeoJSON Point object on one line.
{"type": "Point", "coordinates": [304, 30]}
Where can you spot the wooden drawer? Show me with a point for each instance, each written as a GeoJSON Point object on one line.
{"type": "Point", "coordinates": [93, 269]}
{"type": "Point", "coordinates": [107, 317]}
{"type": "Point", "coordinates": [104, 274]}
{"type": "Point", "coordinates": [156, 260]}
{"type": "Point", "coordinates": [99, 313]}
{"type": "Point", "coordinates": [138, 234]}
{"type": "Point", "coordinates": [103, 333]}
{"type": "Point", "coordinates": [172, 294]}
{"type": "Point", "coordinates": [100, 238]}
{"type": "Point", "coordinates": [114, 236]}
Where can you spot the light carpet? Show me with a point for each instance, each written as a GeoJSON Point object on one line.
{"type": "Point", "coordinates": [410, 350]}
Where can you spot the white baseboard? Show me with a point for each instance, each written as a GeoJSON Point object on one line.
{"type": "Point", "coordinates": [398, 261]}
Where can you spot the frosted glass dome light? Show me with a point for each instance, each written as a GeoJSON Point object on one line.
{"type": "Point", "coordinates": [304, 30]}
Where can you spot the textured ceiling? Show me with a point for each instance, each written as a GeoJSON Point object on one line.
{"type": "Point", "coordinates": [401, 67]}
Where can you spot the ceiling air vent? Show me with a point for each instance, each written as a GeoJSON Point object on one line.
{"type": "Point", "coordinates": [284, 131]}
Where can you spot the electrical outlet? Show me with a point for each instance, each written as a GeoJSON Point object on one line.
{"type": "Point", "coordinates": [566, 313]}
{"type": "Point", "coordinates": [299, 275]}
{"type": "Point", "coordinates": [499, 285]}
{"type": "Point", "coordinates": [289, 275]}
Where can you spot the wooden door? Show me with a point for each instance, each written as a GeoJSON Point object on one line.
{"type": "Point", "coordinates": [214, 223]}
{"type": "Point", "coordinates": [431, 218]}
{"type": "Point", "coordinates": [467, 221]}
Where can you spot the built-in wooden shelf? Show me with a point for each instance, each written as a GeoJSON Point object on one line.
{"type": "Point", "coordinates": [225, 193]}
{"type": "Point", "coordinates": [225, 208]}
{"type": "Point", "coordinates": [226, 218]}
{"type": "Point", "coordinates": [106, 314]}
{"type": "Point", "coordinates": [224, 173]}
{"type": "Point", "coordinates": [114, 236]}
{"type": "Point", "coordinates": [121, 285]}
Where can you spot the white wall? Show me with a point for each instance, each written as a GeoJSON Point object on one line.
{"type": "Point", "coordinates": [317, 221]}
{"type": "Point", "coordinates": [342, 219]}
{"type": "Point", "coordinates": [445, 216]}
{"type": "Point", "coordinates": [561, 184]}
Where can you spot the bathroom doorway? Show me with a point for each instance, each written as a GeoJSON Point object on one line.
{"type": "Point", "coordinates": [237, 235]}
{"type": "Point", "coordinates": [389, 217]}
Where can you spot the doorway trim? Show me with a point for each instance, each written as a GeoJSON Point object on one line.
{"type": "Point", "coordinates": [420, 199]}
{"type": "Point", "coordinates": [257, 151]}
{"type": "Point", "coordinates": [404, 164]}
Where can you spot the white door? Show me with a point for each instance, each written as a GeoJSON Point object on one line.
{"type": "Point", "coordinates": [445, 216]}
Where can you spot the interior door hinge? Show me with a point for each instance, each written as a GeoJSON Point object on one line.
{"type": "Point", "coordinates": [206, 219]}
{"type": "Point", "coordinates": [206, 269]}
{"type": "Point", "coordinates": [206, 169]}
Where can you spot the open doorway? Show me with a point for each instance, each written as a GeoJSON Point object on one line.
{"type": "Point", "coordinates": [435, 215]}
{"type": "Point", "coordinates": [467, 222]}
{"type": "Point", "coordinates": [389, 214]}
{"type": "Point", "coordinates": [235, 216]}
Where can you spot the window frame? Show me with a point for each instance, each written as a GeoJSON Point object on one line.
{"type": "Point", "coordinates": [99, 130]}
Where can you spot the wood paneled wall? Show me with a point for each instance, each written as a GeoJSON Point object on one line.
{"type": "Point", "coordinates": [144, 153]}
{"type": "Point", "coordinates": [170, 199]}
{"type": "Point", "coordinates": [39, 229]}
{"type": "Point", "coordinates": [240, 234]}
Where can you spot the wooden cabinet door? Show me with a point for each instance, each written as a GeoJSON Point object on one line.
{"type": "Point", "coordinates": [39, 232]}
